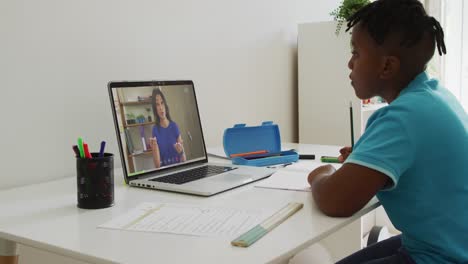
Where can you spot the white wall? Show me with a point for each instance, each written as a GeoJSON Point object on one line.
{"type": "Point", "coordinates": [56, 57]}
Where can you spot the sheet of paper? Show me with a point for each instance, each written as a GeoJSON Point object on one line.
{"type": "Point", "coordinates": [292, 177]}
{"type": "Point", "coordinates": [187, 220]}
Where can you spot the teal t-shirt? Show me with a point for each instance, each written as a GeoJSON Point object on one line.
{"type": "Point", "coordinates": [420, 141]}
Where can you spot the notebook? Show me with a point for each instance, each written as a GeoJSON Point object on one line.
{"type": "Point", "coordinates": [161, 140]}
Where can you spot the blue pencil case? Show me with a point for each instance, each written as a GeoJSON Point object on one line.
{"type": "Point", "coordinates": [256, 145]}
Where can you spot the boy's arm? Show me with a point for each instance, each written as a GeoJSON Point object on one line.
{"type": "Point", "coordinates": [343, 192]}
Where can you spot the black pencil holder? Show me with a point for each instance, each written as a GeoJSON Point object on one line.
{"type": "Point", "coordinates": [95, 181]}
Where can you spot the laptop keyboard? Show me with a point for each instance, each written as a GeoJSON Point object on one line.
{"type": "Point", "coordinates": [193, 174]}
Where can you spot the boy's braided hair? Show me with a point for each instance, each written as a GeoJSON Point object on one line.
{"type": "Point", "coordinates": [406, 17]}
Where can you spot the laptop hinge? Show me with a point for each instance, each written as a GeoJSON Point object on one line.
{"type": "Point", "coordinates": [170, 170]}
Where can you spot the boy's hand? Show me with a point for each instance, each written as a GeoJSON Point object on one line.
{"type": "Point", "coordinates": [344, 153]}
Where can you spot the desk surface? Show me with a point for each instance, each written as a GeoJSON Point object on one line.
{"type": "Point", "coordinates": [45, 216]}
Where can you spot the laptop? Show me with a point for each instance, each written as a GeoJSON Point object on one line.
{"type": "Point", "coordinates": [161, 140]}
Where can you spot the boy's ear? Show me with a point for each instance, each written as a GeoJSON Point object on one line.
{"type": "Point", "coordinates": [391, 67]}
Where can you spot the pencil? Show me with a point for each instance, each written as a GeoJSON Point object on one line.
{"type": "Point", "coordinates": [248, 153]}
{"type": "Point", "coordinates": [352, 125]}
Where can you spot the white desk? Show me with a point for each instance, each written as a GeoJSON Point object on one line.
{"type": "Point", "coordinates": [45, 216]}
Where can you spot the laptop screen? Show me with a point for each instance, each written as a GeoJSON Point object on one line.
{"type": "Point", "coordinates": [158, 125]}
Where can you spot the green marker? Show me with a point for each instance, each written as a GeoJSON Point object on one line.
{"type": "Point", "coordinates": [80, 147]}
{"type": "Point", "coordinates": [329, 159]}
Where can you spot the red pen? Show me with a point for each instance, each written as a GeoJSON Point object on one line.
{"type": "Point", "coordinates": [86, 151]}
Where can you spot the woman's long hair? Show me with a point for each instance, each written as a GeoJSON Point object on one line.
{"type": "Point", "coordinates": [157, 91]}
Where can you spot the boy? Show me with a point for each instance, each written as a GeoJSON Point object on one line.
{"type": "Point", "coordinates": [413, 154]}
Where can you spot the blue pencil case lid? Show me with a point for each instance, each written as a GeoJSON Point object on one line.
{"type": "Point", "coordinates": [257, 145]}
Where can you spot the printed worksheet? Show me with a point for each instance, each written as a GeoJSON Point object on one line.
{"type": "Point", "coordinates": [292, 177]}
{"type": "Point", "coordinates": [187, 219]}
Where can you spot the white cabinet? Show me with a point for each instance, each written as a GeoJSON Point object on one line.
{"type": "Point", "coordinates": [325, 90]}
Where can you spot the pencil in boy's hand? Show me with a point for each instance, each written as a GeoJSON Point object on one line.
{"type": "Point", "coordinates": [352, 123]}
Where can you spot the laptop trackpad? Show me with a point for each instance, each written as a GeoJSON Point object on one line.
{"type": "Point", "coordinates": [232, 177]}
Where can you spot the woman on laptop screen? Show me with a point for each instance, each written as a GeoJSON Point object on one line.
{"type": "Point", "coordinates": [166, 142]}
